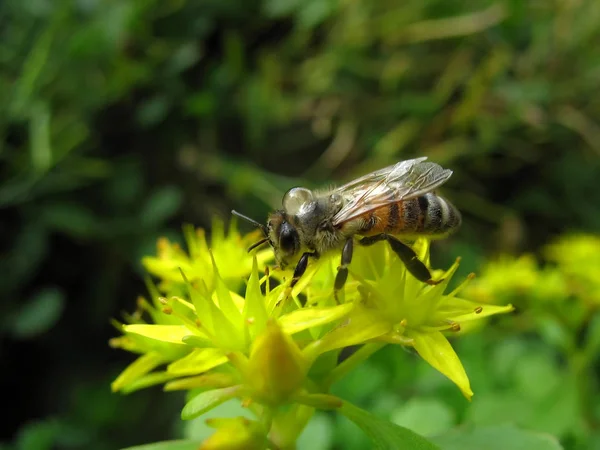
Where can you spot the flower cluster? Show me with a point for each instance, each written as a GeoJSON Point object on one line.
{"type": "Point", "coordinates": [275, 348]}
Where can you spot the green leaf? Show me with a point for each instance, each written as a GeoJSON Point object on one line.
{"type": "Point", "coordinates": [592, 342]}
{"type": "Point", "coordinates": [318, 434]}
{"type": "Point", "coordinates": [198, 429]}
{"type": "Point", "coordinates": [385, 435]}
{"type": "Point", "coordinates": [205, 401]}
{"type": "Point", "coordinates": [498, 437]}
{"type": "Point", "coordinates": [39, 435]}
{"type": "Point", "coordinates": [70, 218]}
{"type": "Point", "coordinates": [162, 205]}
{"type": "Point", "coordinates": [39, 135]}
{"type": "Point", "coordinates": [39, 314]}
{"type": "Point", "coordinates": [428, 417]}
{"type": "Point", "coordinates": [167, 445]}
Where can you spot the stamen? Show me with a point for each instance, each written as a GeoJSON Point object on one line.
{"type": "Point", "coordinates": [454, 326]}
{"type": "Point", "coordinates": [462, 285]}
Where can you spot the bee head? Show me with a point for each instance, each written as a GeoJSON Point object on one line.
{"type": "Point", "coordinates": [283, 237]}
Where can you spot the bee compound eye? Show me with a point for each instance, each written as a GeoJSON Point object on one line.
{"type": "Point", "coordinates": [288, 238]}
{"type": "Point", "coordinates": [295, 198]}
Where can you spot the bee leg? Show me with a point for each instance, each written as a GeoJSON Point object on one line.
{"type": "Point", "coordinates": [342, 274]}
{"type": "Point", "coordinates": [298, 272]}
{"type": "Point", "coordinates": [301, 267]}
{"type": "Point", "coordinates": [410, 259]}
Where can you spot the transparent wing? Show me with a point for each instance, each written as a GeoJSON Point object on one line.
{"type": "Point", "coordinates": [401, 181]}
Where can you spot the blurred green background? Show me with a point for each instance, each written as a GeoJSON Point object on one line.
{"type": "Point", "coordinates": [123, 119]}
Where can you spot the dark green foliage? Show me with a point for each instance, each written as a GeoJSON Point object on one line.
{"type": "Point", "coordinates": [122, 119]}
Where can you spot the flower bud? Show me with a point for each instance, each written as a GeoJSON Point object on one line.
{"type": "Point", "coordinates": [236, 433]}
{"type": "Point", "coordinates": [276, 368]}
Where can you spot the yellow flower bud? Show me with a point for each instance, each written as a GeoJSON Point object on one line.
{"type": "Point", "coordinates": [276, 368]}
{"type": "Point", "coordinates": [236, 433]}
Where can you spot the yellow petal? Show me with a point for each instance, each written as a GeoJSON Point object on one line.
{"type": "Point", "coordinates": [360, 326]}
{"type": "Point", "coordinates": [198, 361]}
{"type": "Point", "coordinates": [301, 319]}
{"type": "Point", "coordinates": [255, 312]}
{"type": "Point", "coordinates": [223, 297]}
{"type": "Point", "coordinates": [166, 333]}
{"type": "Point", "coordinates": [147, 380]}
{"type": "Point", "coordinates": [461, 310]}
{"type": "Point", "coordinates": [213, 380]}
{"type": "Point", "coordinates": [437, 351]}
{"type": "Point", "coordinates": [136, 370]}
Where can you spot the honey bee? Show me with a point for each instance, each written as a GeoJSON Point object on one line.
{"type": "Point", "coordinates": [390, 204]}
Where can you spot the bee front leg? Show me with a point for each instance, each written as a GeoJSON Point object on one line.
{"type": "Point", "coordinates": [298, 272]}
{"type": "Point", "coordinates": [342, 274]}
{"type": "Point", "coordinates": [300, 268]}
{"type": "Point", "coordinates": [406, 254]}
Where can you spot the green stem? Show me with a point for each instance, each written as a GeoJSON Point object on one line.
{"type": "Point", "coordinates": [351, 362]}
{"type": "Point", "coordinates": [288, 424]}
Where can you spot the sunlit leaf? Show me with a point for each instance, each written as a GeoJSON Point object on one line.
{"type": "Point", "coordinates": [167, 445]}
{"type": "Point", "coordinates": [205, 401]}
{"type": "Point", "coordinates": [385, 435]}
{"type": "Point", "coordinates": [498, 437]}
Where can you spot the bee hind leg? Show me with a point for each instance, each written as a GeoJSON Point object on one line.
{"type": "Point", "coordinates": [342, 274]}
{"type": "Point", "coordinates": [406, 254]}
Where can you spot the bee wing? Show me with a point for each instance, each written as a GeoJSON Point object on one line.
{"type": "Point", "coordinates": [401, 181]}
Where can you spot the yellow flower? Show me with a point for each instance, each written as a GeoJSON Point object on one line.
{"type": "Point", "coordinates": [394, 307]}
{"type": "Point", "coordinates": [229, 250]}
{"type": "Point", "coordinates": [274, 348]}
{"type": "Point", "coordinates": [212, 328]}
{"type": "Point", "coordinates": [578, 258]}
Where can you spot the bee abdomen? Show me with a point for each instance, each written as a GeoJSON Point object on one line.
{"type": "Point", "coordinates": [437, 216]}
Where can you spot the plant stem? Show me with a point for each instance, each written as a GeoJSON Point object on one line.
{"type": "Point", "coordinates": [351, 362]}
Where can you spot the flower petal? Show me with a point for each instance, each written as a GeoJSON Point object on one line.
{"type": "Point", "coordinates": [165, 333]}
{"type": "Point", "coordinates": [462, 310]}
{"type": "Point", "coordinates": [147, 380]}
{"type": "Point", "coordinates": [198, 361]}
{"type": "Point", "coordinates": [208, 380]}
{"type": "Point", "coordinates": [136, 370]}
{"type": "Point", "coordinates": [255, 312]}
{"type": "Point", "coordinates": [437, 351]}
{"type": "Point", "coordinates": [361, 326]}
{"type": "Point", "coordinates": [225, 301]}
{"type": "Point", "coordinates": [301, 319]}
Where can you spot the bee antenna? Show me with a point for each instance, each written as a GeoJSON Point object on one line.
{"type": "Point", "coordinates": [257, 244]}
{"type": "Point", "coordinates": [253, 222]}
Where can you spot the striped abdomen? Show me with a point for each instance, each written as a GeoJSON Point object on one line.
{"type": "Point", "coordinates": [428, 215]}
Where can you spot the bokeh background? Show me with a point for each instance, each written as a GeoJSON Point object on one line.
{"type": "Point", "coordinates": [123, 119]}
